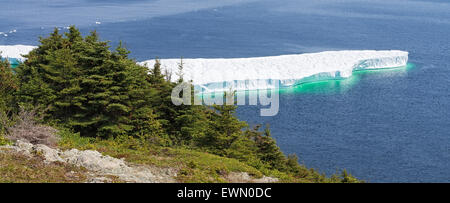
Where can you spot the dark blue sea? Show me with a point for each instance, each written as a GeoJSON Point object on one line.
{"type": "Point", "coordinates": [382, 126]}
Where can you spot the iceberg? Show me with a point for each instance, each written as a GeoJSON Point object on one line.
{"type": "Point", "coordinates": [259, 73]}
{"type": "Point", "coordinates": [15, 52]}
{"type": "Point", "coordinates": [219, 75]}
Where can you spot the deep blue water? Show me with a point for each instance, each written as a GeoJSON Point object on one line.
{"type": "Point", "coordinates": [383, 126]}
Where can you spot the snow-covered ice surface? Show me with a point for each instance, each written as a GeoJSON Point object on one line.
{"type": "Point", "coordinates": [15, 51]}
{"type": "Point", "coordinates": [218, 75]}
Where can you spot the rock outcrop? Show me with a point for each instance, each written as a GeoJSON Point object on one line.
{"type": "Point", "coordinates": [242, 177]}
{"type": "Point", "coordinates": [101, 167]}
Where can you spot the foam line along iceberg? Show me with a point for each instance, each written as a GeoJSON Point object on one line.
{"type": "Point", "coordinates": [218, 75]}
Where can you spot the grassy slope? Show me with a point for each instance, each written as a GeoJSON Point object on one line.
{"type": "Point", "coordinates": [17, 168]}
{"type": "Point", "coordinates": [192, 165]}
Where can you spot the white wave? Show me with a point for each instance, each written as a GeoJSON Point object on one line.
{"type": "Point", "coordinates": [6, 34]}
{"type": "Point", "coordinates": [270, 72]}
{"type": "Point", "coordinates": [15, 51]}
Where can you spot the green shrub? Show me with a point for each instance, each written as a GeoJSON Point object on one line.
{"type": "Point", "coordinates": [4, 141]}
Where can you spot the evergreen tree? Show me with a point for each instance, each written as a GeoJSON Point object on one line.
{"type": "Point", "coordinates": [156, 78]}
{"type": "Point", "coordinates": [88, 87]}
{"type": "Point", "coordinates": [35, 90]}
{"type": "Point", "coordinates": [191, 125]}
{"type": "Point", "coordinates": [245, 149]}
{"type": "Point", "coordinates": [74, 36]}
{"type": "Point", "coordinates": [180, 73]}
{"type": "Point", "coordinates": [8, 84]}
{"type": "Point", "coordinates": [269, 152]}
{"type": "Point", "coordinates": [224, 128]}
{"type": "Point", "coordinates": [161, 100]}
{"type": "Point", "coordinates": [8, 87]}
{"type": "Point", "coordinates": [191, 121]}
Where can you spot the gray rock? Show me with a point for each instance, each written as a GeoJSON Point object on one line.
{"type": "Point", "coordinates": [23, 147]}
{"type": "Point", "coordinates": [243, 177]}
{"type": "Point", "coordinates": [49, 154]}
{"type": "Point", "coordinates": [98, 164]}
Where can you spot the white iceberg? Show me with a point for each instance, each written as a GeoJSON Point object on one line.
{"type": "Point", "coordinates": [15, 51]}
{"type": "Point", "coordinates": [218, 75]}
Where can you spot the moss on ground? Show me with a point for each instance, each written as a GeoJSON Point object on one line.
{"type": "Point", "coordinates": [18, 168]}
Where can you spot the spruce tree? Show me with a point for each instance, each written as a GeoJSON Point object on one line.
{"type": "Point", "coordinates": [161, 100]}
{"type": "Point", "coordinates": [8, 86]}
{"type": "Point", "coordinates": [245, 149]}
{"type": "Point", "coordinates": [89, 88]}
{"type": "Point", "coordinates": [35, 90]}
{"type": "Point", "coordinates": [8, 82]}
{"type": "Point", "coordinates": [269, 152]}
{"type": "Point", "coordinates": [224, 128]}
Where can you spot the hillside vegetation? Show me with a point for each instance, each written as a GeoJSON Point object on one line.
{"type": "Point", "coordinates": [102, 100]}
{"type": "Point", "coordinates": [18, 168]}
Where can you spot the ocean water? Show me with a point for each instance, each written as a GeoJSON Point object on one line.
{"type": "Point", "coordinates": [382, 126]}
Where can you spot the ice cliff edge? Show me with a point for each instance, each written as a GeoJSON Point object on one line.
{"type": "Point", "coordinates": [213, 75]}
